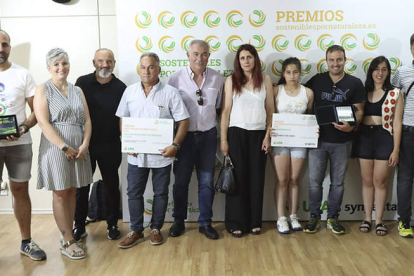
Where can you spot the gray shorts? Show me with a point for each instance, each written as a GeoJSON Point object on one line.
{"type": "Point", "coordinates": [18, 160]}
{"type": "Point", "coordinates": [293, 152]}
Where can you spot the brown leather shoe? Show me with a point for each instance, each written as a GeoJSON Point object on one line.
{"type": "Point", "coordinates": [156, 237]}
{"type": "Point", "coordinates": [133, 238]}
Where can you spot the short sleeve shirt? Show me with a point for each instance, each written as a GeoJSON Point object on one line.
{"type": "Point", "coordinates": [163, 102]}
{"type": "Point", "coordinates": [349, 90]}
{"type": "Point", "coordinates": [16, 85]}
{"type": "Point", "coordinates": [403, 78]}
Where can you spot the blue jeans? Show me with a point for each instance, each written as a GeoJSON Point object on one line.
{"type": "Point", "coordinates": [338, 155]}
{"type": "Point", "coordinates": [197, 149]}
{"type": "Point", "coordinates": [405, 173]}
{"type": "Point", "coordinates": [137, 181]}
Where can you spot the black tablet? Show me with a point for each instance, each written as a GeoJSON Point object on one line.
{"type": "Point", "coordinates": [325, 115]}
{"type": "Point", "coordinates": [8, 126]}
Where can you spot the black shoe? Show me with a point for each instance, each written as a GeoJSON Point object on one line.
{"type": "Point", "coordinates": [113, 232]}
{"type": "Point", "coordinates": [209, 232]}
{"type": "Point", "coordinates": [177, 228]}
{"type": "Point", "coordinates": [79, 233]}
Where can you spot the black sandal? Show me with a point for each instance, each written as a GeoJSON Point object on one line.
{"type": "Point", "coordinates": [380, 229]}
{"type": "Point", "coordinates": [236, 235]}
{"type": "Point", "coordinates": [365, 226]}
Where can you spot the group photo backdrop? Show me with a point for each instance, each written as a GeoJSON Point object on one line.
{"type": "Point", "coordinates": [278, 30]}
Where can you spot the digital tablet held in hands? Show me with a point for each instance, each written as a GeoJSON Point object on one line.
{"type": "Point", "coordinates": [335, 114]}
{"type": "Point", "coordinates": [8, 126]}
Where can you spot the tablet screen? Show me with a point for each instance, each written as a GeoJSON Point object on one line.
{"type": "Point", "coordinates": [8, 126]}
{"type": "Point", "coordinates": [345, 113]}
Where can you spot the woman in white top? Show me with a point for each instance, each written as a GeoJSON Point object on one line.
{"type": "Point", "coordinates": [248, 105]}
{"type": "Point", "coordinates": [291, 97]}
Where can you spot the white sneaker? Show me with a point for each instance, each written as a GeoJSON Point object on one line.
{"type": "Point", "coordinates": [282, 225]}
{"type": "Point", "coordinates": [294, 222]}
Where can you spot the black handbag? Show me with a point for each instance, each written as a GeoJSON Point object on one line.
{"type": "Point", "coordinates": [225, 182]}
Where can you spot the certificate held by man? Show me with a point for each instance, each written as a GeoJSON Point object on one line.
{"type": "Point", "coordinates": [149, 135]}
{"type": "Point", "coordinates": [294, 130]}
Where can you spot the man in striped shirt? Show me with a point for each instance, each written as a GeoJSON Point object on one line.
{"type": "Point", "coordinates": [404, 79]}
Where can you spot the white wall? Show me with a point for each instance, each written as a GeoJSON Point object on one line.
{"type": "Point", "coordinates": [35, 26]}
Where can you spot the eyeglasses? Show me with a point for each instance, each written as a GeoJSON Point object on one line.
{"type": "Point", "coordinates": [200, 100]}
{"type": "Point", "coordinates": [333, 89]}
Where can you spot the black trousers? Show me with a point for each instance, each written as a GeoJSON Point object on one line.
{"type": "Point", "coordinates": [108, 156]}
{"type": "Point", "coordinates": [244, 209]}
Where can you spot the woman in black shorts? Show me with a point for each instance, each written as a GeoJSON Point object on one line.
{"type": "Point", "coordinates": [378, 142]}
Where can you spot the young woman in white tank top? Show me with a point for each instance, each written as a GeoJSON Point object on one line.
{"type": "Point", "coordinates": [291, 97]}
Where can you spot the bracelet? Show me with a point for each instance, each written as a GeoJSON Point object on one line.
{"type": "Point", "coordinates": [27, 127]}
{"type": "Point", "coordinates": [223, 142]}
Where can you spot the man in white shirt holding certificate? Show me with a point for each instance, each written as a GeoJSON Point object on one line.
{"type": "Point", "coordinates": [151, 98]}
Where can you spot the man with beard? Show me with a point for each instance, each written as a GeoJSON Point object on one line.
{"type": "Point", "coordinates": [17, 88]}
{"type": "Point", "coordinates": [332, 88]}
{"type": "Point", "coordinates": [103, 92]}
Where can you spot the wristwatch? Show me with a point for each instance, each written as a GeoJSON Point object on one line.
{"type": "Point", "coordinates": [27, 127]}
{"type": "Point", "coordinates": [177, 146]}
{"type": "Point", "coordinates": [65, 148]}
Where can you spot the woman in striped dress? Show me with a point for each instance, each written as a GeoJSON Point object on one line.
{"type": "Point", "coordinates": [64, 162]}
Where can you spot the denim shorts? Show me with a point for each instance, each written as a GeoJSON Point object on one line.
{"type": "Point", "coordinates": [293, 152]}
{"type": "Point", "coordinates": [373, 142]}
{"type": "Point", "coordinates": [18, 160]}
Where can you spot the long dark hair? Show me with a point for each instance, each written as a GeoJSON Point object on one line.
{"type": "Point", "coordinates": [239, 78]}
{"type": "Point", "coordinates": [286, 62]}
{"type": "Point", "coordinates": [369, 82]}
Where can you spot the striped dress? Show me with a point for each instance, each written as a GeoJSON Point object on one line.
{"type": "Point", "coordinates": [66, 115]}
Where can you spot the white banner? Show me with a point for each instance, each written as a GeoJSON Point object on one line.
{"type": "Point", "coordinates": [278, 30]}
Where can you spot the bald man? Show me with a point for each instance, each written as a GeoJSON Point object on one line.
{"type": "Point", "coordinates": [17, 88]}
{"type": "Point", "coordinates": [103, 92]}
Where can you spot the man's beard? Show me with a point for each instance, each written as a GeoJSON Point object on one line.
{"type": "Point", "coordinates": [105, 74]}
{"type": "Point", "coordinates": [4, 58]}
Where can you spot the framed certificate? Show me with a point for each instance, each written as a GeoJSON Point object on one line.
{"type": "Point", "coordinates": [8, 126]}
{"type": "Point", "coordinates": [335, 114]}
{"type": "Point", "coordinates": [294, 130]}
{"type": "Point", "coordinates": [146, 135]}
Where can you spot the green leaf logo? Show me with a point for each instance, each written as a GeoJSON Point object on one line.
{"type": "Point", "coordinates": [371, 41]}
{"type": "Point", "coordinates": [279, 43]}
{"type": "Point", "coordinates": [232, 17]}
{"type": "Point", "coordinates": [325, 41]}
{"type": "Point", "coordinates": [188, 19]}
{"type": "Point", "coordinates": [162, 44]}
{"type": "Point", "coordinates": [211, 19]}
{"type": "Point", "coordinates": [166, 20]}
{"type": "Point", "coordinates": [143, 20]}
{"type": "Point", "coordinates": [143, 44]}
{"type": "Point", "coordinates": [348, 41]}
{"type": "Point", "coordinates": [232, 40]}
{"type": "Point", "coordinates": [261, 18]}
{"type": "Point", "coordinates": [303, 42]}
{"type": "Point", "coordinates": [261, 42]}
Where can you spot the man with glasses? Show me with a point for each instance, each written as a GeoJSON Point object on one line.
{"type": "Point", "coordinates": [333, 88]}
{"type": "Point", "coordinates": [201, 89]}
{"type": "Point", "coordinates": [404, 79]}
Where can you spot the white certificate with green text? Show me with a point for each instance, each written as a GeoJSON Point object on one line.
{"type": "Point", "coordinates": [294, 130]}
{"type": "Point", "coordinates": [146, 135]}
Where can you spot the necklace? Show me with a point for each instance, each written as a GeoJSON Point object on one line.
{"type": "Point", "coordinates": [291, 92]}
